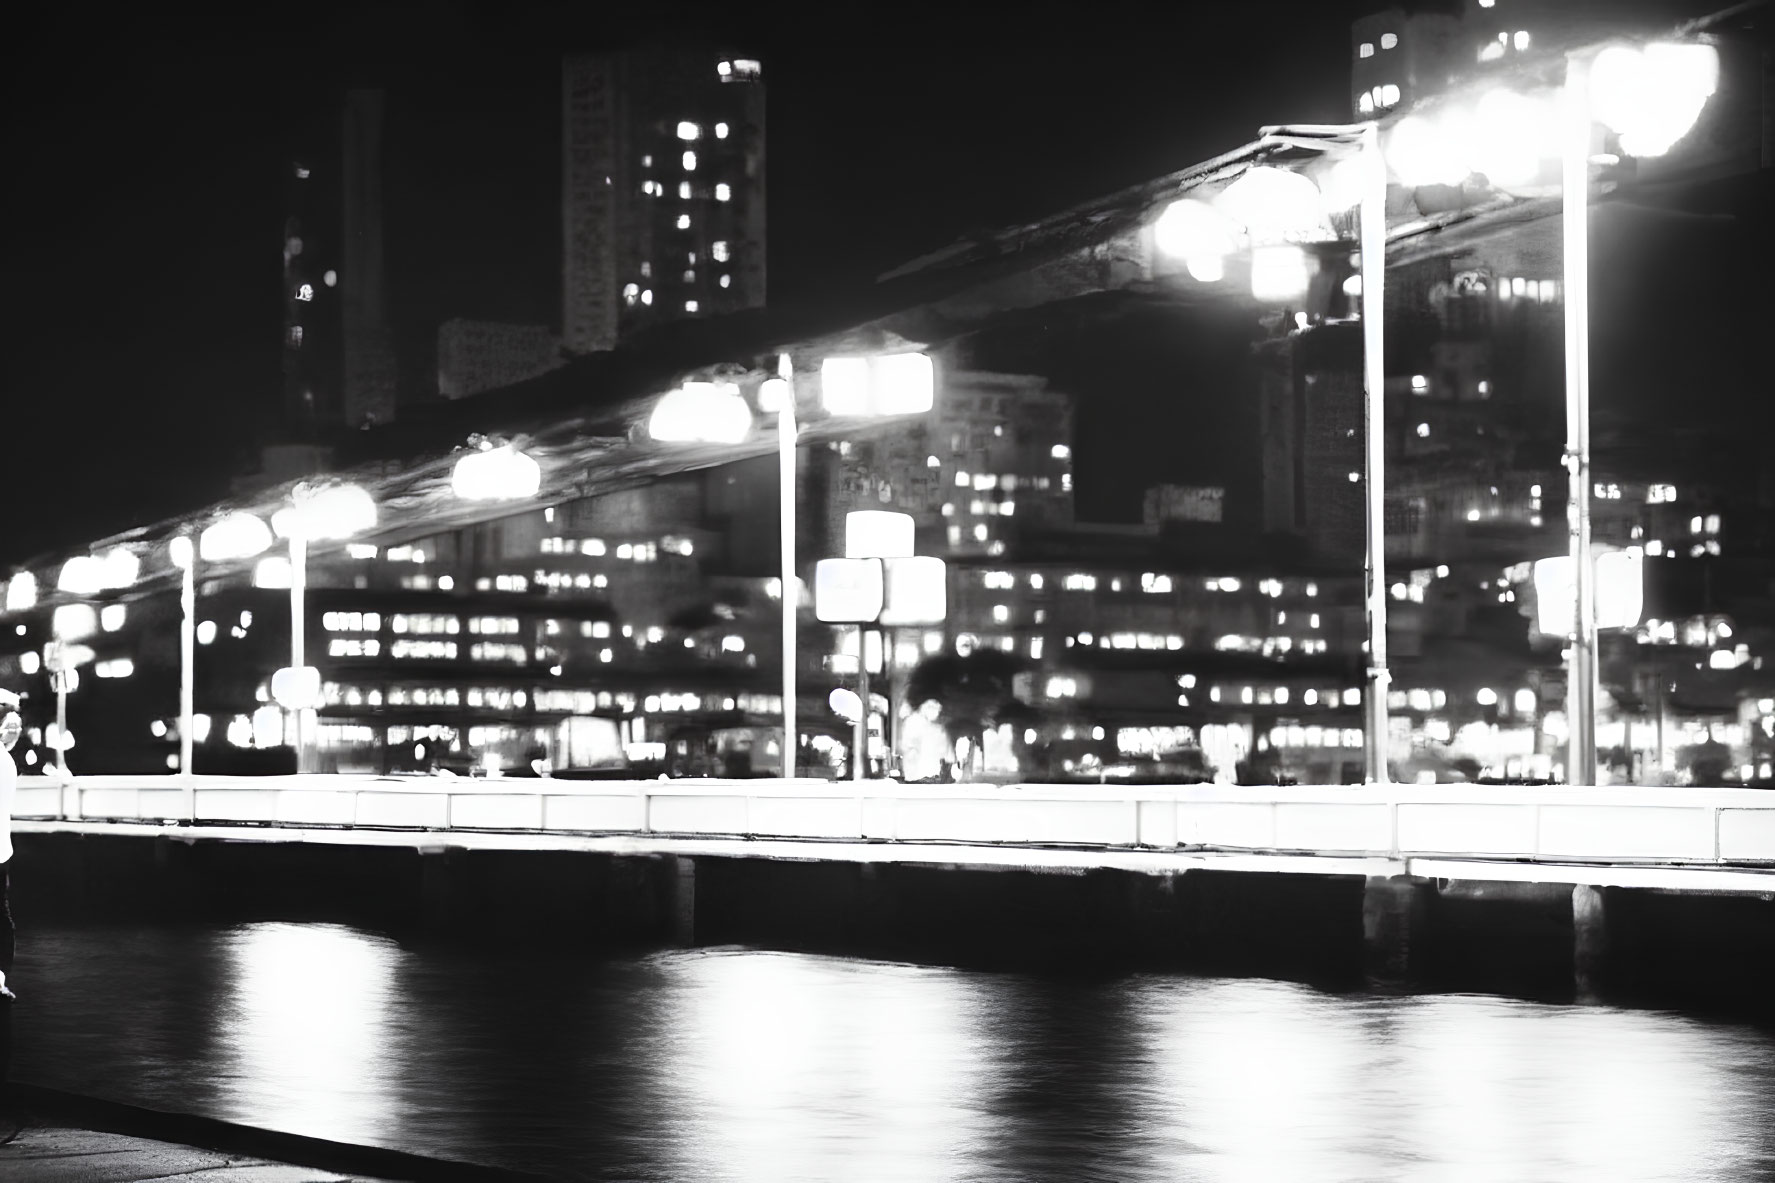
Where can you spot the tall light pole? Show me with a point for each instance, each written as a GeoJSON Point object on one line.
{"type": "Point", "coordinates": [329, 513]}
{"type": "Point", "coordinates": [1575, 126]}
{"type": "Point", "coordinates": [1203, 234]}
{"type": "Point", "coordinates": [1373, 219]}
{"type": "Point", "coordinates": [715, 413]}
{"type": "Point", "coordinates": [184, 557]}
{"type": "Point", "coordinates": [786, 431]}
{"type": "Point", "coordinates": [237, 535]}
{"type": "Point", "coordinates": [1650, 97]}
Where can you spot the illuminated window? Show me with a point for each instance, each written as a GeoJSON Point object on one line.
{"type": "Point", "coordinates": [1000, 614]}
{"type": "Point", "coordinates": [305, 292]}
{"type": "Point", "coordinates": [1155, 583]}
{"type": "Point", "coordinates": [647, 296]}
{"type": "Point", "coordinates": [1389, 95]}
{"type": "Point", "coordinates": [1423, 431]}
{"type": "Point", "coordinates": [1520, 40]}
{"type": "Point", "coordinates": [1389, 40]}
{"type": "Point", "coordinates": [631, 292]}
{"type": "Point", "coordinates": [689, 162]}
{"type": "Point", "coordinates": [1365, 50]}
{"type": "Point", "coordinates": [647, 271]}
{"type": "Point", "coordinates": [726, 280]}
{"type": "Point", "coordinates": [723, 192]}
{"type": "Point", "coordinates": [721, 131]}
{"type": "Point", "coordinates": [690, 305]}
{"type": "Point", "coordinates": [980, 532]}
{"type": "Point", "coordinates": [296, 336]}
{"type": "Point", "coordinates": [689, 131]}
{"type": "Point", "coordinates": [718, 252]}
{"type": "Point", "coordinates": [683, 221]}
{"type": "Point", "coordinates": [684, 191]}
{"type": "Point", "coordinates": [1364, 104]}
{"type": "Point", "coordinates": [1079, 581]}
{"type": "Point", "coordinates": [689, 277]}
{"type": "Point", "coordinates": [746, 68]}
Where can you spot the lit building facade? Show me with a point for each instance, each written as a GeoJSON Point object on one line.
{"type": "Point", "coordinates": [1398, 56]}
{"type": "Point", "coordinates": [663, 191]}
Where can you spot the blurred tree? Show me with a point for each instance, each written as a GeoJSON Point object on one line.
{"type": "Point", "coordinates": [974, 694]}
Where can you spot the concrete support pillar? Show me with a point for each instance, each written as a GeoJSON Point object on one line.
{"type": "Point", "coordinates": [435, 876]}
{"type": "Point", "coordinates": [683, 892]}
{"type": "Point", "coordinates": [1590, 940]}
{"type": "Point", "coordinates": [1395, 914]}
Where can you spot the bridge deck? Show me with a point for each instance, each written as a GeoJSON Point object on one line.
{"type": "Point", "coordinates": [1690, 839]}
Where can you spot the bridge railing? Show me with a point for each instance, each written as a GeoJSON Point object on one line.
{"type": "Point", "coordinates": [1705, 826]}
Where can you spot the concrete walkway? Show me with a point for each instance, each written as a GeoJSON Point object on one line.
{"type": "Point", "coordinates": [48, 1136]}
{"type": "Point", "coordinates": [53, 1153]}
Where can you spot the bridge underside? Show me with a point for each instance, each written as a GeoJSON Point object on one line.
{"type": "Point", "coordinates": [1570, 931]}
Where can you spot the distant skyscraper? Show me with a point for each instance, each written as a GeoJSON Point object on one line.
{"type": "Point", "coordinates": [311, 300]}
{"type": "Point", "coordinates": [369, 378]}
{"type": "Point", "coordinates": [1399, 56]}
{"type": "Point", "coordinates": [662, 201]}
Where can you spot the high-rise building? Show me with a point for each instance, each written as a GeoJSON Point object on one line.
{"type": "Point", "coordinates": [369, 378]}
{"type": "Point", "coordinates": [1398, 56]}
{"type": "Point", "coordinates": [662, 201]}
{"type": "Point", "coordinates": [312, 239]}
{"type": "Point", "coordinates": [338, 350]}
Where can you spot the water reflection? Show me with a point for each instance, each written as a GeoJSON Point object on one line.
{"type": "Point", "coordinates": [744, 1065]}
{"type": "Point", "coordinates": [793, 1067]}
{"type": "Point", "coordinates": [305, 1011]}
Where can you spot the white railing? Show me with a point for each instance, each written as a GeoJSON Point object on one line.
{"type": "Point", "coordinates": [1555, 823]}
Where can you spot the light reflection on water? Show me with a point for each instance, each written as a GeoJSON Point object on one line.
{"type": "Point", "coordinates": [740, 1065]}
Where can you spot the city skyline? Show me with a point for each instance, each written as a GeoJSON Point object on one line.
{"type": "Point", "coordinates": [870, 173]}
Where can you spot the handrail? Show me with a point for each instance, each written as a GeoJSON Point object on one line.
{"type": "Point", "coordinates": [1622, 824]}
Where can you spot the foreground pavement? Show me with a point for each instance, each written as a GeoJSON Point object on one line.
{"type": "Point", "coordinates": [48, 1136]}
{"type": "Point", "coordinates": [43, 1151]}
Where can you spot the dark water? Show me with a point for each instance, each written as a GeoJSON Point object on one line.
{"type": "Point", "coordinates": [741, 1065]}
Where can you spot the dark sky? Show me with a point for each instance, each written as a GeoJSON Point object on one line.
{"type": "Point", "coordinates": [143, 152]}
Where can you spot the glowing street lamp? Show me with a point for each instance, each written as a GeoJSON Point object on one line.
{"type": "Point", "coordinates": [715, 413]}
{"type": "Point", "coordinates": [701, 413]}
{"type": "Point", "coordinates": [329, 513]}
{"type": "Point", "coordinates": [495, 473]}
{"type": "Point", "coordinates": [1272, 210]}
{"type": "Point", "coordinates": [236, 535]}
{"type": "Point", "coordinates": [1650, 97]}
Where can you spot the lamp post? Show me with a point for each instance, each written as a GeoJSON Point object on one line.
{"type": "Point", "coordinates": [330, 513]}
{"type": "Point", "coordinates": [864, 387]}
{"type": "Point", "coordinates": [786, 431]}
{"type": "Point", "coordinates": [1650, 97]}
{"type": "Point", "coordinates": [1274, 206]}
{"type": "Point", "coordinates": [1576, 126]}
{"type": "Point", "coordinates": [237, 535]}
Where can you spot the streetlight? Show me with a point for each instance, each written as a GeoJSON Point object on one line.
{"type": "Point", "coordinates": [1269, 210]}
{"type": "Point", "coordinates": [1650, 98]}
{"type": "Point", "coordinates": [314, 515]}
{"type": "Point", "coordinates": [715, 413]}
{"type": "Point", "coordinates": [490, 472]}
{"type": "Point", "coordinates": [236, 535]}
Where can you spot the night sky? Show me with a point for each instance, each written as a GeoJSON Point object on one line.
{"type": "Point", "coordinates": [142, 261]}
